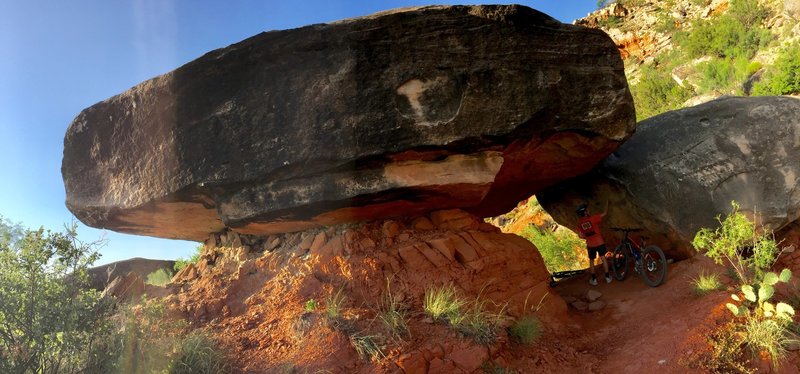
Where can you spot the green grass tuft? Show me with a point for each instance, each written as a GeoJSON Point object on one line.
{"type": "Point", "coordinates": [526, 329]}
{"type": "Point", "coordinates": [706, 283]}
{"type": "Point", "coordinates": [442, 303]}
{"type": "Point", "coordinates": [366, 346]}
{"type": "Point", "coordinates": [199, 354]}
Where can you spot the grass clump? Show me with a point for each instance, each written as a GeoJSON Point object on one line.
{"type": "Point", "coordinates": [159, 277]}
{"type": "Point", "coordinates": [334, 304]}
{"type": "Point", "coordinates": [442, 303]}
{"type": "Point", "coordinates": [366, 346]}
{"type": "Point", "coordinates": [311, 305]}
{"type": "Point", "coordinates": [470, 319]}
{"type": "Point", "coordinates": [199, 354]}
{"type": "Point", "coordinates": [526, 329]}
{"type": "Point", "coordinates": [393, 313]}
{"type": "Point", "coordinates": [706, 283]}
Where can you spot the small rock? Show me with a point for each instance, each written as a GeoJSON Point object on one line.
{"type": "Point", "coordinates": [597, 305]}
{"type": "Point", "coordinates": [422, 223]}
{"type": "Point", "coordinates": [569, 299]}
{"type": "Point", "coordinates": [593, 295]}
{"type": "Point", "coordinates": [662, 362]}
{"type": "Point", "coordinates": [580, 305]}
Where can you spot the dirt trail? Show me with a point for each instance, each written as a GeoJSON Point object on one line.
{"type": "Point", "coordinates": [644, 329]}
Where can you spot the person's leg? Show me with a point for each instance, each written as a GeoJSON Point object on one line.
{"type": "Point", "coordinates": [592, 255]}
{"type": "Point", "coordinates": [602, 252]}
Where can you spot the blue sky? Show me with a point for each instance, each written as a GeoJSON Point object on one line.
{"type": "Point", "coordinates": [58, 57]}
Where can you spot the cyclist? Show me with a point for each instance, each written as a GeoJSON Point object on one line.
{"type": "Point", "coordinates": [589, 229]}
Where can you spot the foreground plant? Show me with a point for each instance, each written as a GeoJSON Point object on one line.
{"type": "Point", "coordinates": [393, 314]}
{"type": "Point", "coordinates": [50, 321]}
{"type": "Point", "coordinates": [470, 319]}
{"type": "Point", "coordinates": [706, 283]}
{"type": "Point", "coordinates": [367, 346]}
{"type": "Point", "coordinates": [526, 329]}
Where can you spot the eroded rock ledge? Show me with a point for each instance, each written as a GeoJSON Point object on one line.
{"type": "Point", "coordinates": [390, 115]}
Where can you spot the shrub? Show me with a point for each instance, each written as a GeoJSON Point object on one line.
{"type": "Point", "coordinates": [560, 249]}
{"type": "Point", "coordinates": [50, 321]}
{"type": "Point", "coordinates": [783, 77]}
{"type": "Point", "coordinates": [199, 354]}
{"type": "Point", "coordinates": [706, 283]}
{"type": "Point", "coordinates": [734, 241]}
{"type": "Point", "coordinates": [656, 92]}
{"type": "Point", "coordinates": [181, 262]}
{"type": "Point", "coordinates": [748, 12]}
{"type": "Point", "coordinates": [723, 37]}
{"type": "Point", "coordinates": [526, 329]}
{"type": "Point", "coordinates": [149, 338]}
{"type": "Point", "coordinates": [725, 355]}
{"type": "Point", "coordinates": [721, 75]}
{"type": "Point", "coordinates": [159, 277]}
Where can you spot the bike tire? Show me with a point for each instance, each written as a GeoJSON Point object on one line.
{"type": "Point", "coordinates": [653, 266]}
{"type": "Point", "coordinates": [619, 262]}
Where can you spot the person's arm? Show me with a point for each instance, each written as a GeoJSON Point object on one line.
{"type": "Point", "coordinates": [605, 211]}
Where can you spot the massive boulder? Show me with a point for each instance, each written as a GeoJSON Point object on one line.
{"type": "Point", "coordinates": [683, 168]}
{"type": "Point", "coordinates": [393, 114]}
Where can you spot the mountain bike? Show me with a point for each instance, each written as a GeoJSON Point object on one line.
{"type": "Point", "coordinates": [648, 260]}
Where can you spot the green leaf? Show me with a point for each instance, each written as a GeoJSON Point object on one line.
{"type": "Point", "coordinates": [784, 310]}
{"type": "Point", "coordinates": [736, 297]}
{"type": "Point", "coordinates": [770, 279]}
{"type": "Point", "coordinates": [733, 308]}
{"type": "Point", "coordinates": [786, 274]}
{"type": "Point", "coordinates": [768, 314]}
{"type": "Point", "coordinates": [768, 307]}
{"type": "Point", "coordinates": [765, 292]}
{"type": "Point", "coordinates": [749, 293]}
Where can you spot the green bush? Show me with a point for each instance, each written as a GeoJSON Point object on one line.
{"type": "Point", "coordinates": [159, 277]}
{"type": "Point", "coordinates": [559, 249]}
{"type": "Point", "coordinates": [748, 12]}
{"type": "Point", "coordinates": [50, 321]}
{"type": "Point", "coordinates": [181, 262]}
{"type": "Point", "coordinates": [723, 37]}
{"type": "Point", "coordinates": [783, 77]}
{"type": "Point", "coordinates": [720, 75]}
{"type": "Point", "coordinates": [733, 242]}
{"type": "Point", "coordinates": [656, 92]}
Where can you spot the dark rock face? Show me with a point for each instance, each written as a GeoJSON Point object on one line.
{"type": "Point", "coordinates": [394, 114]}
{"type": "Point", "coordinates": [683, 168]}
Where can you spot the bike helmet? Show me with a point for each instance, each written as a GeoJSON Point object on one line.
{"type": "Point", "coordinates": [581, 211]}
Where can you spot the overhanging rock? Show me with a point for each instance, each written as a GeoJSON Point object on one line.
{"type": "Point", "coordinates": [393, 114]}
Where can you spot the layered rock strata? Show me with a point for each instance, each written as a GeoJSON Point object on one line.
{"type": "Point", "coordinates": [389, 115]}
{"type": "Point", "coordinates": [683, 168]}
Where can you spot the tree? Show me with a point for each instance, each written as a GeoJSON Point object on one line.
{"type": "Point", "coordinates": [50, 321]}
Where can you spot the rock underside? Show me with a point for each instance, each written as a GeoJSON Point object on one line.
{"type": "Point", "coordinates": [390, 115]}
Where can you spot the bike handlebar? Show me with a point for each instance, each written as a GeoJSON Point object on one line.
{"type": "Point", "coordinates": [626, 229]}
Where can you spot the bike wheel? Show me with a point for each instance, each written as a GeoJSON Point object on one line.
{"type": "Point", "coordinates": [654, 266]}
{"type": "Point", "coordinates": [619, 262]}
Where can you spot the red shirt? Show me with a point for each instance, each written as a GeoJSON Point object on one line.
{"type": "Point", "coordinates": [589, 229]}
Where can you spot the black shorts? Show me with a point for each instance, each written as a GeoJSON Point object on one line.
{"type": "Point", "coordinates": [593, 251]}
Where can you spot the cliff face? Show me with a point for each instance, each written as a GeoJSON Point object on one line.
{"type": "Point", "coordinates": [681, 53]}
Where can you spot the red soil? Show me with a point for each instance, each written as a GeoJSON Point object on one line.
{"type": "Point", "coordinates": [253, 300]}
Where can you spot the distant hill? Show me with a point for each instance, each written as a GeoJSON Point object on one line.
{"type": "Point", "coordinates": [681, 53]}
